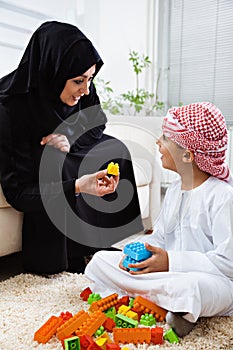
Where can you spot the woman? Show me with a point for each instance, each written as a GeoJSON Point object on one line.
{"type": "Point", "coordinates": [51, 135]}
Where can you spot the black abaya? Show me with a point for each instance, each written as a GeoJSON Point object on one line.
{"type": "Point", "coordinates": [59, 228]}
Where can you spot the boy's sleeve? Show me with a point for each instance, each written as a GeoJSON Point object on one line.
{"type": "Point", "coordinates": [218, 261]}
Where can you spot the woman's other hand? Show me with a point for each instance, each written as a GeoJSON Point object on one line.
{"type": "Point", "coordinates": [57, 141]}
{"type": "Point", "coordinates": [158, 262]}
{"type": "Point", "coordinates": [97, 184]}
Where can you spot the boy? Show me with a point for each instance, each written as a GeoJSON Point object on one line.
{"type": "Point", "coordinates": [190, 271]}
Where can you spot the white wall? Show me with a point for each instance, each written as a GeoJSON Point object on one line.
{"type": "Point", "coordinates": [18, 20]}
{"type": "Point", "coordinates": [114, 27]}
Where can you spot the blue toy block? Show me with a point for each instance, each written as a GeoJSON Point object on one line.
{"type": "Point", "coordinates": [72, 343]}
{"type": "Point", "coordinates": [127, 260]}
{"type": "Point", "coordinates": [137, 251]}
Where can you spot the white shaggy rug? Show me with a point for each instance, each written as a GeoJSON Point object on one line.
{"type": "Point", "coordinates": [27, 301]}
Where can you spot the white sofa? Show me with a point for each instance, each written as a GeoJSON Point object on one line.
{"type": "Point", "coordinates": [139, 134]}
{"type": "Point", "coordinates": [10, 228]}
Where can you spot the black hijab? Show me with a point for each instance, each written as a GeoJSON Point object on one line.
{"type": "Point", "coordinates": [56, 52]}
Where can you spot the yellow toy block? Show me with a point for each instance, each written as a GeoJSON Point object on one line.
{"type": "Point", "coordinates": [113, 169]}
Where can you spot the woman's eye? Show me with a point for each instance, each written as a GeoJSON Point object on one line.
{"type": "Point", "coordinates": [78, 82]}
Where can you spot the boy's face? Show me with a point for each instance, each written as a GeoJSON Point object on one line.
{"type": "Point", "coordinates": [172, 154]}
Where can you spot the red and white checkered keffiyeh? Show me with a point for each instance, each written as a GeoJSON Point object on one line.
{"type": "Point", "coordinates": [201, 128]}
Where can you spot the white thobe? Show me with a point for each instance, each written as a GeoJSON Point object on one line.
{"type": "Point", "coordinates": [196, 229]}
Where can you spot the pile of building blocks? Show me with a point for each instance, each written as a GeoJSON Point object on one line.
{"type": "Point", "coordinates": [109, 321]}
{"type": "Point", "coordinates": [135, 253]}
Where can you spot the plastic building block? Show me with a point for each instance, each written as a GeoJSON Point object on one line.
{"type": "Point", "coordinates": [113, 169]}
{"type": "Point", "coordinates": [147, 306]}
{"type": "Point", "coordinates": [92, 324]}
{"type": "Point", "coordinates": [49, 328]}
{"type": "Point", "coordinates": [112, 346]}
{"type": "Point", "coordinates": [132, 314]}
{"type": "Point", "coordinates": [131, 301]}
{"type": "Point", "coordinates": [85, 341]}
{"type": "Point", "coordinates": [72, 343]}
{"type": "Point", "coordinates": [128, 260]}
{"type": "Point", "coordinates": [125, 322]}
{"type": "Point", "coordinates": [109, 324]}
{"type": "Point", "coordinates": [132, 335]}
{"type": "Point", "coordinates": [147, 320]}
{"type": "Point", "coordinates": [103, 340]}
{"type": "Point", "coordinates": [137, 251]}
{"type": "Point", "coordinates": [105, 303]}
{"type": "Point", "coordinates": [157, 335]}
{"type": "Point", "coordinates": [93, 297]}
{"type": "Point", "coordinates": [65, 316]}
{"type": "Point", "coordinates": [111, 312]}
{"type": "Point", "coordinates": [84, 295]}
{"type": "Point", "coordinates": [171, 336]}
{"type": "Point", "coordinates": [123, 309]}
{"type": "Point", "coordinates": [99, 331]}
{"type": "Point", "coordinates": [72, 324]}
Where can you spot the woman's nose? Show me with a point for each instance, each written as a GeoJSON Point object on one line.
{"type": "Point", "coordinates": [86, 89]}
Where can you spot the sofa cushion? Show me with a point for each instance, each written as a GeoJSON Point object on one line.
{"type": "Point", "coordinates": [3, 202]}
{"type": "Point", "coordinates": [142, 171]}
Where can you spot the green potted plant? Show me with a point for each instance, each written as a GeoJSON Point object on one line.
{"type": "Point", "coordinates": [133, 101]}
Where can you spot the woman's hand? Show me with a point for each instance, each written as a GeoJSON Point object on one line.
{"type": "Point", "coordinates": [97, 184]}
{"type": "Point", "coordinates": [57, 141]}
{"type": "Point", "coordinates": [158, 262]}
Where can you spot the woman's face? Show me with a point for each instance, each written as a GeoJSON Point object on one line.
{"type": "Point", "coordinates": [76, 87]}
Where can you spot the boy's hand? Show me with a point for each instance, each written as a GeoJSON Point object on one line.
{"type": "Point", "coordinates": [158, 262]}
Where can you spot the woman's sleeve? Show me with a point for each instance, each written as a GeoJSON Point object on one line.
{"type": "Point", "coordinates": [18, 175]}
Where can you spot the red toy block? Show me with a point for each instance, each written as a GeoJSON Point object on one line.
{"type": "Point", "coordinates": [85, 341]}
{"type": "Point", "coordinates": [147, 307]}
{"type": "Point", "coordinates": [132, 335]}
{"type": "Point", "coordinates": [122, 301]}
{"type": "Point", "coordinates": [72, 324]}
{"type": "Point", "coordinates": [109, 324]}
{"type": "Point", "coordinates": [85, 294]}
{"type": "Point", "coordinates": [65, 316]}
{"type": "Point", "coordinates": [49, 328]}
{"type": "Point", "coordinates": [157, 335]}
{"type": "Point", "coordinates": [104, 303]}
{"type": "Point", "coordinates": [112, 346]}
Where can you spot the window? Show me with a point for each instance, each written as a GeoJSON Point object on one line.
{"type": "Point", "coordinates": [200, 53]}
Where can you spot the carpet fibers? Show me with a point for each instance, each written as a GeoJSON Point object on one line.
{"type": "Point", "coordinates": [27, 301]}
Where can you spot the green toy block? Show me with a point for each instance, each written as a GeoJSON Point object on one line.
{"type": "Point", "coordinates": [99, 331]}
{"type": "Point", "coordinates": [171, 336]}
{"type": "Point", "coordinates": [72, 343]}
{"type": "Point", "coordinates": [93, 297]}
{"type": "Point", "coordinates": [147, 320]}
{"type": "Point", "coordinates": [125, 322]}
{"type": "Point", "coordinates": [111, 312]}
{"type": "Point", "coordinates": [131, 302]}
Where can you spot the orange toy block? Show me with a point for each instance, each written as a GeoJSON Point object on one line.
{"type": "Point", "coordinates": [148, 307]}
{"type": "Point", "coordinates": [49, 328]}
{"type": "Point", "coordinates": [92, 324]}
{"type": "Point", "coordinates": [132, 335]}
{"type": "Point", "coordinates": [72, 324]}
{"type": "Point", "coordinates": [157, 335]}
{"type": "Point", "coordinates": [104, 303]}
